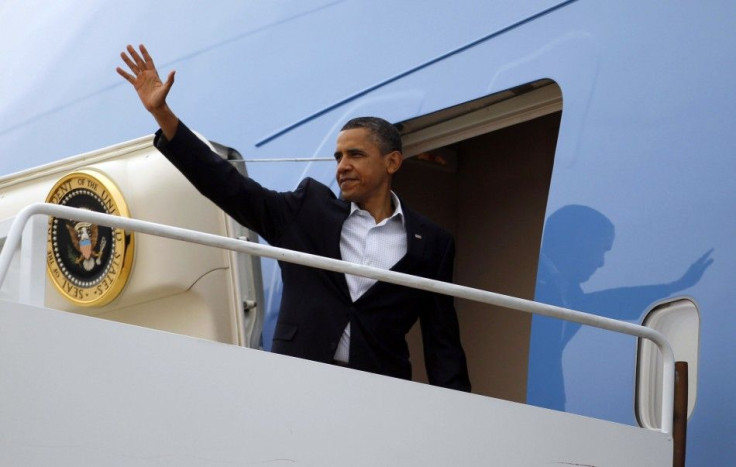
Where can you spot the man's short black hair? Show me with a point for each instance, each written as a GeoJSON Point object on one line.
{"type": "Point", "coordinates": [385, 135]}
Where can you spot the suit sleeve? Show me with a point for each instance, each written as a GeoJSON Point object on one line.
{"type": "Point", "coordinates": [264, 211]}
{"type": "Point", "coordinates": [443, 353]}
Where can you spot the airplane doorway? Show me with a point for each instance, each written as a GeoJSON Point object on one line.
{"type": "Point", "coordinates": [482, 171]}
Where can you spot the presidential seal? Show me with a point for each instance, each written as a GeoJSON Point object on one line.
{"type": "Point", "coordinates": [89, 264]}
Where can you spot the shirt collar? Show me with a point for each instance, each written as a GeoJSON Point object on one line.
{"type": "Point", "coordinates": [398, 212]}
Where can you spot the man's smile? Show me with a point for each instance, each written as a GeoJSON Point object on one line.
{"type": "Point", "coordinates": [347, 181]}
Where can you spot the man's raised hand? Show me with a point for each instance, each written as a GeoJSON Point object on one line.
{"type": "Point", "coordinates": [151, 90]}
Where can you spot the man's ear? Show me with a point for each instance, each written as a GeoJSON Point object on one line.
{"type": "Point", "coordinates": [394, 160]}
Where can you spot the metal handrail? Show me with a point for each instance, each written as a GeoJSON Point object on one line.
{"type": "Point", "coordinates": [668, 365]}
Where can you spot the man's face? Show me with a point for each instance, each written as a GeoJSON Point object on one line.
{"type": "Point", "coordinates": [363, 173]}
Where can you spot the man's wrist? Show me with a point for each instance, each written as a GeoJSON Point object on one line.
{"type": "Point", "coordinates": [167, 120]}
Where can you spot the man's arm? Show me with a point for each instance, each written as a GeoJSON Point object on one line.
{"type": "Point", "coordinates": [264, 211]}
{"type": "Point", "coordinates": [151, 90]}
{"type": "Point", "coordinates": [444, 356]}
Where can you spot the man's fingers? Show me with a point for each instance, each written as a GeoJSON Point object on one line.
{"type": "Point", "coordinates": [137, 58]}
{"type": "Point", "coordinates": [130, 63]}
{"type": "Point", "coordinates": [170, 80]}
{"type": "Point", "coordinates": [125, 75]}
{"type": "Point", "coordinates": [147, 57]}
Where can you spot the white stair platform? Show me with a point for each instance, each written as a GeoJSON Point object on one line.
{"type": "Point", "coordinates": [76, 390]}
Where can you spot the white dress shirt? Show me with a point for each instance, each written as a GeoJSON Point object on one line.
{"type": "Point", "coordinates": [362, 241]}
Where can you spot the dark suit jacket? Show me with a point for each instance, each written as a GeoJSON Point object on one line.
{"type": "Point", "coordinates": [316, 304]}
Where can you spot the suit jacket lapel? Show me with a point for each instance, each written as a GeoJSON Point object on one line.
{"type": "Point", "coordinates": [333, 230]}
{"type": "Point", "coordinates": [415, 244]}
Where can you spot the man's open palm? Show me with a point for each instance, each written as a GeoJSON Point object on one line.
{"type": "Point", "coordinates": [151, 90]}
